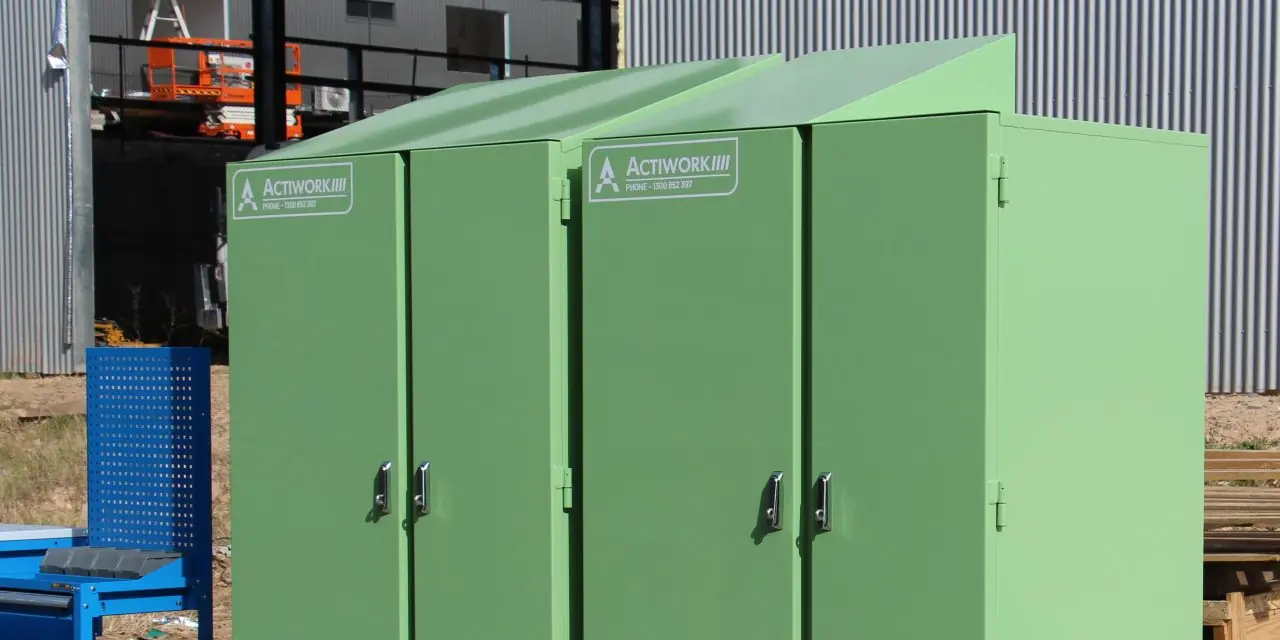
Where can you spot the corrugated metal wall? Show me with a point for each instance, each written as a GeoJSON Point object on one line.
{"type": "Point", "coordinates": [111, 18]}
{"type": "Point", "coordinates": [1204, 66]}
{"type": "Point", "coordinates": [36, 196]}
{"type": "Point", "coordinates": [542, 30]}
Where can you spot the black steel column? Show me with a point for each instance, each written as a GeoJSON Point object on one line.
{"type": "Point", "coordinates": [355, 73]}
{"type": "Point", "coordinates": [597, 35]}
{"type": "Point", "coordinates": [269, 66]}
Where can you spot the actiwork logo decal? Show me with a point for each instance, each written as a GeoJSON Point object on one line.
{"type": "Point", "coordinates": [663, 170]}
{"type": "Point", "coordinates": [291, 191]}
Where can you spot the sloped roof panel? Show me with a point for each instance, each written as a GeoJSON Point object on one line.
{"type": "Point", "coordinates": [560, 107]}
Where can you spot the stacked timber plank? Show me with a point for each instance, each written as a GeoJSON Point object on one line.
{"type": "Point", "coordinates": [1241, 464]}
{"type": "Point", "coordinates": [1241, 506]}
{"type": "Point", "coordinates": [1241, 549]}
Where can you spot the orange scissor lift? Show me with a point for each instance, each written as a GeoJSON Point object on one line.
{"type": "Point", "coordinates": [221, 81]}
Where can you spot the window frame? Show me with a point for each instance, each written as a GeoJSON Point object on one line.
{"type": "Point", "coordinates": [369, 16]}
{"type": "Point", "coordinates": [454, 65]}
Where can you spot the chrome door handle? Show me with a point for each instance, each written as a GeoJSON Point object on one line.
{"type": "Point", "coordinates": [381, 495]}
{"type": "Point", "coordinates": [422, 489]}
{"type": "Point", "coordinates": [773, 502]}
{"type": "Point", "coordinates": [822, 502]}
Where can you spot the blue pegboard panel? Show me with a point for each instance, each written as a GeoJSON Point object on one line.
{"type": "Point", "coordinates": [149, 438]}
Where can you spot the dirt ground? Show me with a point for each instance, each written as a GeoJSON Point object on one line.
{"type": "Point", "coordinates": [1251, 422]}
{"type": "Point", "coordinates": [42, 469]}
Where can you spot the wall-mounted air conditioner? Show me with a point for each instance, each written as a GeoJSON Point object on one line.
{"type": "Point", "coordinates": [332, 99]}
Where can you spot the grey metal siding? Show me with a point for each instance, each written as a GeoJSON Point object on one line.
{"type": "Point", "coordinates": [1204, 66]}
{"type": "Point", "coordinates": [112, 18]}
{"type": "Point", "coordinates": [36, 196]}
{"type": "Point", "coordinates": [541, 30]}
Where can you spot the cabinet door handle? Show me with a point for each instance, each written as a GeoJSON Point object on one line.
{"type": "Point", "coordinates": [422, 489]}
{"type": "Point", "coordinates": [381, 495]}
{"type": "Point", "coordinates": [822, 502]}
{"type": "Point", "coordinates": [773, 502]}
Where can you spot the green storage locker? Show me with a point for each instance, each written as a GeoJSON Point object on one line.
{"type": "Point", "coordinates": [988, 329]}
{"type": "Point", "coordinates": [399, 297]}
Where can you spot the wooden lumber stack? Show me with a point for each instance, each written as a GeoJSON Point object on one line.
{"type": "Point", "coordinates": [1241, 506]}
{"type": "Point", "coordinates": [1241, 551]}
{"type": "Point", "coordinates": [1241, 464]}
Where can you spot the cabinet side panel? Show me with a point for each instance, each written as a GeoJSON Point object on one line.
{"type": "Point", "coordinates": [1102, 288]}
{"type": "Point", "coordinates": [488, 392]}
{"type": "Point", "coordinates": [899, 349]}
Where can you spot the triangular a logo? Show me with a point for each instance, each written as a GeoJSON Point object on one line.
{"type": "Point", "coordinates": [246, 197]}
{"type": "Point", "coordinates": [606, 177]}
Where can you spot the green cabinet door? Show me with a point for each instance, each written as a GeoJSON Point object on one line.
{"type": "Point", "coordinates": [488, 308]}
{"type": "Point", "coordinates": [691, 378]}
{"type": "Point", "coordinates": [318, 398]}
{"type": "Point", "coordinates": [900, 311]}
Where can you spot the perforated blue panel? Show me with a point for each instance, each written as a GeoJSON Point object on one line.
{"type": "Point", "coordinates": [149, 450]}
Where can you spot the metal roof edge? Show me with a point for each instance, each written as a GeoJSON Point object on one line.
{"type": "Point", "coordinates": [1105, 130]}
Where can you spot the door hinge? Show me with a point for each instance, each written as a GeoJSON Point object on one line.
{"type": "Point", "coordinates": [997, 497]}
{"type": "Point", "coordinates": [563, 190]}
{"type": "Point", "coordinates": [564, 484]}
{"type": "Point", "coordinates": [1001, 172]}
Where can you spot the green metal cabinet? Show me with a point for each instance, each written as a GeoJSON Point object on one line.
{"type": "Point", "coordinates": [836, 348]}
{"type": "Point", "coordinates": [400, 297]}
{"type": "Point", "coordinates": [971, 342]}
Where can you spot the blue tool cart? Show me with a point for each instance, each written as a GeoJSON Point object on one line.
{"type": "Point", "coordinates": [148, 546]}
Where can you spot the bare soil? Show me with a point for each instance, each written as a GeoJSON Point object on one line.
{"type": "Point", "coordinates": [1244, 421]}
{"type": "Point", "coordinates": [42, 478]}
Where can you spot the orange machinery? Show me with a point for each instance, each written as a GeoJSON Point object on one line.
{"type": "Point", "coordinates": [222, 82]}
